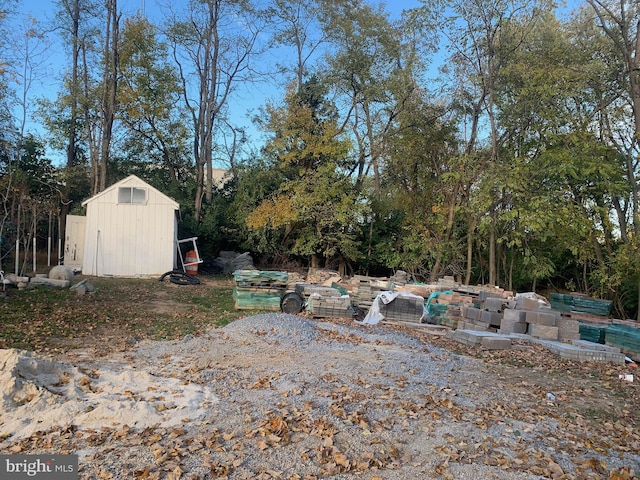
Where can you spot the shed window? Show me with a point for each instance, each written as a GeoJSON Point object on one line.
{"type": "Point", "coordinates": [132, 195]}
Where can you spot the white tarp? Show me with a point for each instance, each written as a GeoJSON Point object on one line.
{"type": "Point", "coordinates": [374, 315]}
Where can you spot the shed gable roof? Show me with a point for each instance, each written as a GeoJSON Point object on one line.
{"type": "Point", "coordinates": [133, 181]}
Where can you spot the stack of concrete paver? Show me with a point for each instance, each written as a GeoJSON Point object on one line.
{"type": "Point", "coordinates": [400, 278]}
{"type": "Point", "coordinates": [330, 306]}
{"type": "Point", "coordinates": [259, 290]}
{"type": "Point", "coordinates": [321, 276]}
{"type": "Point", "coordinates": [446, 308]}
{"type": "Point", "coordinates": [624, 335]}
{"type": "Point", "coordinates": [487, 340]}
{"type": "Point", "coordinates": [306, 290]}
{"type": "Point", "coordinates": [583, 351]}
{"type": "Point", "coordinates": [580, 305]}
{"type": "Point", "coordinates": [324, 301]}
{"type": "Point", "coordinates": [403, 308]}
{"type": "Point", "coordinates": [293, 279]}
{"type": "Point", "coordinates": [363, 290]}
{"type": "Point", "coordinates": [416, 289]}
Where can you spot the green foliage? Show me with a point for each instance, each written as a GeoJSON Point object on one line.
{"type": "Point", "coordinates": [148, 92]}
{"type": "Point", "coordinates": [253, 181]}
{"type": "Point", "coordinates": [315, 207]}
{"type": "Point", "coordinates": [426, 181]}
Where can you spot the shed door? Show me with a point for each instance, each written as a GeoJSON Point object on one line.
{"type": "Point", "coordinates": [74, 241]}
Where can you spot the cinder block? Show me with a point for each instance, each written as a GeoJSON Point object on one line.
{"type": "Point", "coordinates": [473, 313]}
{"type": "Point", "coordinates": [568, 335]}
{"type": "Point", "coordinates": [512, 326]}
{"type": "Point", "coordinates": [514, 315]}
{"type": "Point", "coordinates": [527, 304]}
{"type": "Point", "coordinates": [493, 304]}
{"type": "Point", "coordinates": [491, 318]}
{"type": "Point", "coordinates": [462, 325]}
{"type": "Point", "coordinates": [510, 303]}
{"type": "Point", "coordinates": [596, 356]}
{"type": "Point", "coordinates": [476, 327]}
{"type": "Point", "coordinates": [540, 318]}
{"type": "Point", "coordinates": [484, 294]}
{"type": "Point", "coordinates": [595, 346]}
{"type": "Point", "coordinates": [496, 343]}
{"type": "Point", "coordinates": [544, 332]}
{"type": "Point", "coordinates": [548, 309]}
{"type": "Point", "coordinates": [567, 324]}
{"type": "Point", "coordinates": [467, 337]}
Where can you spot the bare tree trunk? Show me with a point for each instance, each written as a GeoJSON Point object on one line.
{"type": "Point", "coordinates": [467, 276]}
{"type": "Point", "coordinates": [110, 83]}
{"type": "Point", "coordinates": [470, 235]}
{"type": "Point", "coordinates": [92, 138]}
{"type": "Point", "coordinates": [72, 8]}
{"type": "Point", "coordinates": [492, 253]}
{"type": "Point", "coordinates": [219, 62]}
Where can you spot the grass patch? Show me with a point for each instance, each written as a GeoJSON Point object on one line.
{"type": "Point", "coordinates": [53, 319]}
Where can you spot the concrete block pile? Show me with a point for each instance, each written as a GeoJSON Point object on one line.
{"type": "Point", "coordinates": [363, 289]}
{"type": "Point", "coordinates": [521, 316]}
{"type": "Point", "coordinates": [59, 276]}
{"type": "Point", "coordinates": [576, 350]}
{"type": "Point", "coordinates": [335, 306]}
{"type": "Point", "coordinates": [498, 322]}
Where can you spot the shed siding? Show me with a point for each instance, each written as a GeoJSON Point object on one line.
{"type": "Point", "coordinates": [129, 239]}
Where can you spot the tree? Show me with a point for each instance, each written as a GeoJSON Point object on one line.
{"type": "Point", "coordinates": [31, 196]}
{"type": "Point", "coordinates": [148, 94]}
{"type": "Point", "coordinates": [98, 84]}
{"type": "Point", "coordinates": [373, 64]}
{"type": "Point", "coordinates": [316, 207]}
{"type": "Point", "coordinates": [28, 56]}
{"type": "Point", "coordinates": [424, 180]}
{"type": "Point", "coordinates": [7, 127]}
{"type": "Point", "coordinates": [481, 38]}
{"type": "Point", "coordinates": [108, 104]}
{"type": "Point", "coordinates": [298, 27]}
{"type": "Point", "coordinates": [619, 21]}
{"type": "Point", "coordinates": [215, 43]}
{"type": "Point", "coordinates": [73, 20]}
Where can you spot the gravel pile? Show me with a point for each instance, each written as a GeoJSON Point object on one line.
{"type": "Point", "coordinates": [277, 327]}
{"type": "Point", "coordinates": [335, 391]}
{"type": "Point", "coordinates": [303, 399]}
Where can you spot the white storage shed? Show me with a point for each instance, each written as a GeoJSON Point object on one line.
{"type": "Point", "coordinates": [131, 230]}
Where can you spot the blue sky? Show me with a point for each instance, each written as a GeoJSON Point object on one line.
{"type": "Point", "coordinates": [247, 100]}
{"type": "Point", "coordinates": [49, 78]}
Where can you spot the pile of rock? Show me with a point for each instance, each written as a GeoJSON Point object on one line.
{"type": "Point", "coordinates": [59, 276]}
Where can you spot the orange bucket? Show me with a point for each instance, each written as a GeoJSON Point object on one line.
{"type": "Point", "coordinates": [191, 263]}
